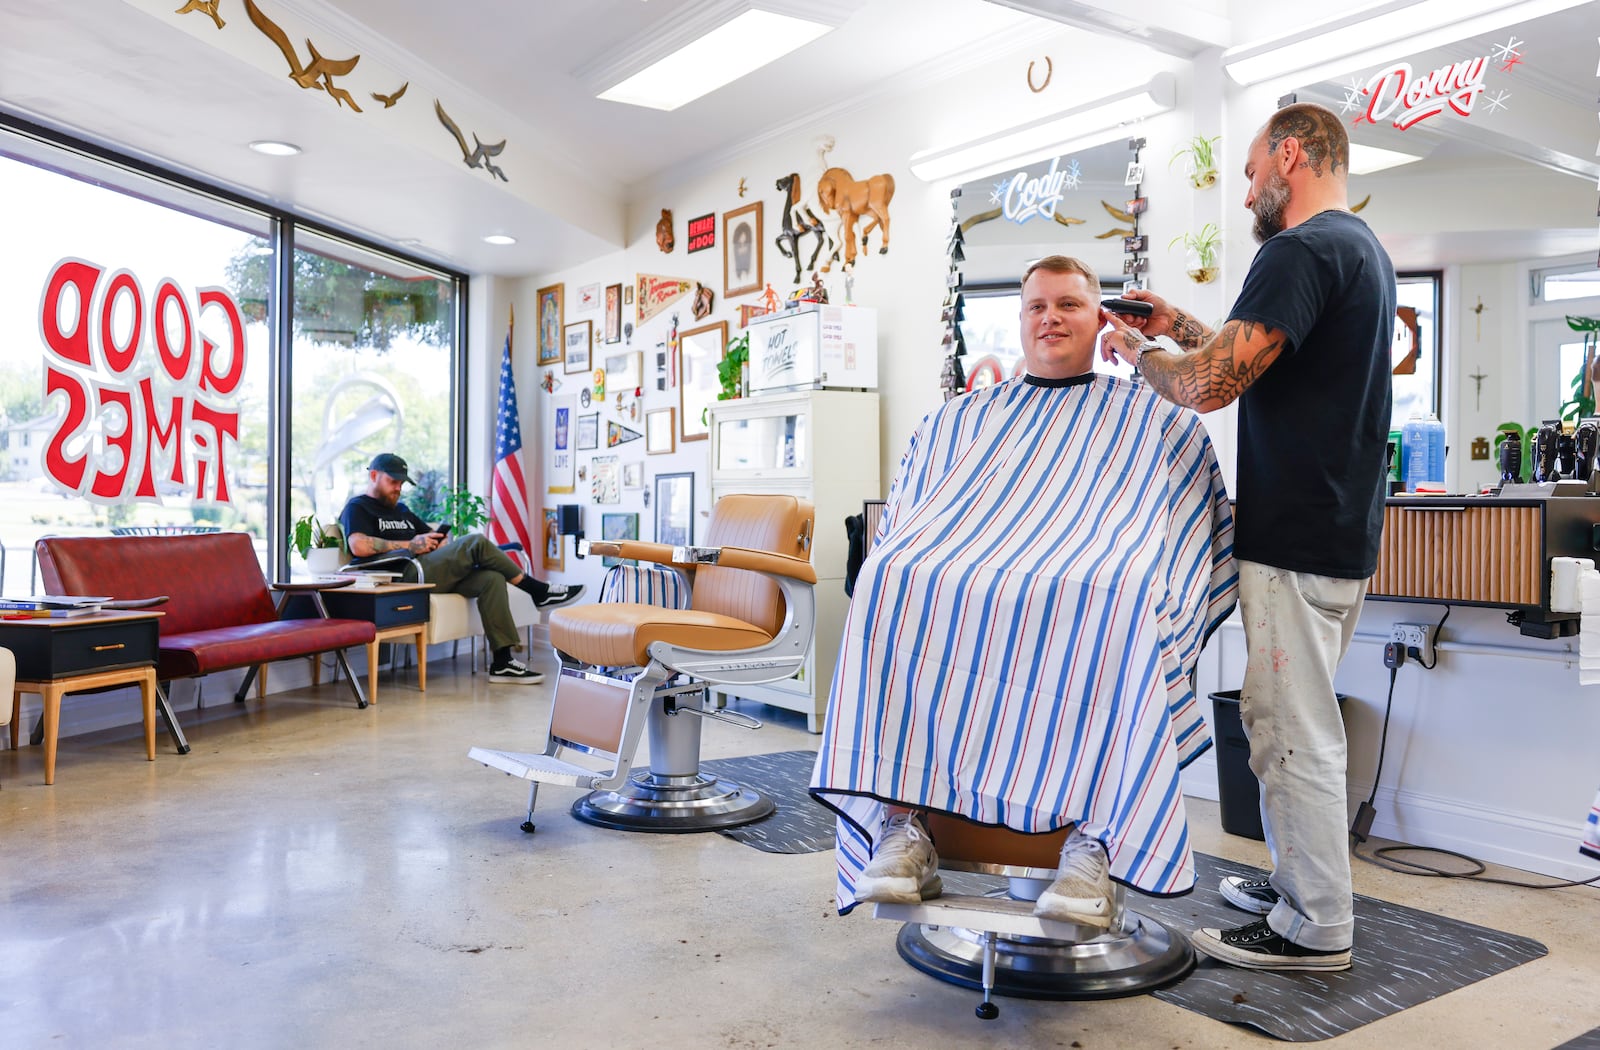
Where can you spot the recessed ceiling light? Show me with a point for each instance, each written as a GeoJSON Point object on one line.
{"type": "Point", "coordinates": [275, 149]}
{"type": "Point", "coordinates": [500, 238]}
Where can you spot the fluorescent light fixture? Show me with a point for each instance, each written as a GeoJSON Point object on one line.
{"type": "Point", "coordinates": [1062, 132]}
{"type": "Point", "coordinates": [1364, 160]}
{"type": "Point", "coordinates": [1377, 34]}
{"type": "Point", "coordinates": [500, 238]}
{"type": "Point", "coordinates": [275, 149]}
{"type": "Point", "coordinates": [706, 45]}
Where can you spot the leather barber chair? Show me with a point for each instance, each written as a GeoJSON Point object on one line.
{"type": "Point", "coordinates": [629, 667]}
{"type": "Point", "coordinates": [995, 944]}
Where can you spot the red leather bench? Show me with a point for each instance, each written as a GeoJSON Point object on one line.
{"type": "Point", "coordinates": [219, 616]}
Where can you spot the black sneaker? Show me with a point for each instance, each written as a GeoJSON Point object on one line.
{"type": "Point", "coordinates": [559, 594]}
{"type": "Point", "coordinates": [1255, 896]}
{"type": "Point", "coordinates": [514, 672]}
{"type": "Point", "coordinates": [1256, 946]}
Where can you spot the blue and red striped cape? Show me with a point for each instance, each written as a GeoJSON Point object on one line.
{"type": "Point", "coordinates": [1591, 831]}
{"type": "Point", "coordinates": [1023, 632]}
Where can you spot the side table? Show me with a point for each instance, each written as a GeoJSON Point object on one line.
{"type": "Point", "coordinates": [56, 656]}
{"type": "Point", "coordinates": [399, 611]}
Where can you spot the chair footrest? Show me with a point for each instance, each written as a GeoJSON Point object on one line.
{"type": "Point", "coordinates": [543, 768]}
{"type": "Point", "coordinates": [998, 914]}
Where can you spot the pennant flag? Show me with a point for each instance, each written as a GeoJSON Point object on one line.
{"type": "Point", "coordinates": [656, 293]}
{"type": "Point", "coordinates": [617, 434]}
{"type": "Point", "coordinates": [508, 492]}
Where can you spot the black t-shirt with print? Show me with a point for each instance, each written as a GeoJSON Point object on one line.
{"type": "Point", "coordinates": [373, 518]}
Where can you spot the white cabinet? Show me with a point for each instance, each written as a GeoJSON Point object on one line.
{"type": "Point", "coordinates": [822, 446]}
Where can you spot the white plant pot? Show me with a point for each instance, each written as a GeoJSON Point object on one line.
{"type": "Point", "coordinates": [323, 561]}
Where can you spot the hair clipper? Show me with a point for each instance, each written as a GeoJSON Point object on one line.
{"type": "Point", "coordinates": [1510, 458]}
{"type": "Point", "coordinates": [1545, 442]}
{"type": "Point", "coordinates": [1587, 442]}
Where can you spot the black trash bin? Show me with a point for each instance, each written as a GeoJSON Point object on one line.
{"type": "Point", "coordinates": [1238, 791]}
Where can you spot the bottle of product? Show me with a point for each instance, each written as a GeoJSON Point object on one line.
{"type": "Point", "coordinates": [1414, 452]}
{"type": "Point", "coordinates": [1434, 432]}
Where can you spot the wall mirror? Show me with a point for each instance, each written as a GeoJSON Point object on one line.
{"type": "Point", "coordinates": [700, 351]}
{"type": "Point", "coordinates": [1499, 202]}
{"type": "Point", "coordinates": [1067, 205]}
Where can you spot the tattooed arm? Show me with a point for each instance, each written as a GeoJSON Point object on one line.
{"type": "Point", "coordinates": [1214, 374]}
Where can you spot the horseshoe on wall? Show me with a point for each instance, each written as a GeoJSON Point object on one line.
{"type": "Point", "coordinates": [1049, 71]}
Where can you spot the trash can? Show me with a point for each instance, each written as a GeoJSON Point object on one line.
{"type": "Point", "coordinates": [1238, 791]}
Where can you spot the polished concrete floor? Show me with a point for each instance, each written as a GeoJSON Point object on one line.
{"type": "Point", "coordinates": [317, 876]}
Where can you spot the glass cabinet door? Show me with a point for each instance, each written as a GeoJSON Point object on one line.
{"type": "Point", "coordinates": [763, 443]}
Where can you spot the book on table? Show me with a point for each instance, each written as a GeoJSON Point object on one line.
{"type": "Point", "coordinates": [53, 602]}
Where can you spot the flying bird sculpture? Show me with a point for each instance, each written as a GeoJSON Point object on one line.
{"type": "Point", "coordinates": [316, 76]}
{"type": "Point", "coordinates": [389, 100]}
{"type": "Point", "coordinates": [477, 157]}
{"type": "Point", "coordinates": [205, 7]}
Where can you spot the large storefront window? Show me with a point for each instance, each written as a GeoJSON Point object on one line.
{"type": "Point", "coordinates": [137, 367]}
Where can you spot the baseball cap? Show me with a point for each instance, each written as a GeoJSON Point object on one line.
{"type": "Point", "coordinates": [391, 465]}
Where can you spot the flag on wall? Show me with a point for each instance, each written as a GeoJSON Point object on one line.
{"type": "Point", "coordinates": [508, 492]}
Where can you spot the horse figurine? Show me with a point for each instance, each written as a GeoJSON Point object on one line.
{"type": "Point", "coordinates": [798, 221]}
{"type": "Point", "coordinates": [838, 190]}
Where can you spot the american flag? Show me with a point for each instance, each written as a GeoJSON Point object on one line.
{"type": "Point", "coordinates": [508, 495]}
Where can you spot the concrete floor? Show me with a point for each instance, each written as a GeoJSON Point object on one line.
{"type": "Point", "coordinates": [317, 876]}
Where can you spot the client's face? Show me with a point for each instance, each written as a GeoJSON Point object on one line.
{"type": "Point", "coordinates": [1060, 324]}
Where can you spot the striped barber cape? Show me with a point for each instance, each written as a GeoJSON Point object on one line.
{"type": "Point", "coordinates": [1019, 648]}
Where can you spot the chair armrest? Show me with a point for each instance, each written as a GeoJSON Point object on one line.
{"type": "Point", "coordinates": [313, 585]}
{"type": "Point", "coordinates": [748, 558]}
{"type": "Point", "coordinates": [395, 559]}
{"type": "Point", "coordinates": [637, 550]}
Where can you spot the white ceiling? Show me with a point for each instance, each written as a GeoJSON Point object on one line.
{"type": "Point", "coordinates": [168, 89]}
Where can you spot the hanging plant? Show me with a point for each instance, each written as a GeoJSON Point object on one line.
{"type": "Point", "coordinates": [1201, 265]}
{"type": "Point", "coordinates": [1200, 153]}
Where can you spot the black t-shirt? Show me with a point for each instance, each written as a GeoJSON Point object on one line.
{"type": "Point", "coordinates": [1313, 430]}
{"type": "Point", "coordinates": [373, 518]}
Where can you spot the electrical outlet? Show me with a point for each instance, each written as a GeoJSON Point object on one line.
{"type": "Point", "coordinates": [1417, 638]}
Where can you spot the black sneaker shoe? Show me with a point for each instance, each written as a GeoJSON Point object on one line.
{"type": "Point", "coordinates": [1255, 896]}
{"type": "Point", "coordinates": [513, 672]}
{"type": "Point", "coordinates": [559, 594]}
{"type": "Point", "coordinates": [1256, 946]}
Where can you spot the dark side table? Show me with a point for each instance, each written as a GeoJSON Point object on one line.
{"type": "Point", "coordinates": [56, 656]}
{"type": "Point", "coordinates": [399, 611]}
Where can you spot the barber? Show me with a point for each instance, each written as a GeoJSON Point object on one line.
{"type": "Point", "coordinates": [1305, 351]}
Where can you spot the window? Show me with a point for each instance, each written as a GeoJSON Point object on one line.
{"type": "Point", "coordinates": [1416, 348]}
{"type": "Point", "coordinates": [1558, 283]}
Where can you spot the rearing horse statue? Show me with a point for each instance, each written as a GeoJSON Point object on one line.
{"type": "Point", "coordinates": [799, 220]}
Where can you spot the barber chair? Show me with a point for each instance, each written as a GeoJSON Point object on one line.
{"type": "Point", "coordinates": [629, 667]}
{"type": "Point", "coordinates": [995, 944]}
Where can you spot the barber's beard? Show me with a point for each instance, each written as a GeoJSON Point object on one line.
{"type": "Point", "coordinates": [1270, 204]}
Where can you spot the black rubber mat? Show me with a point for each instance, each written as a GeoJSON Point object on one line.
{"type": "Point", "coordinates": [1586, 1041]}
{"type": "Point", "coordinates": [799, 825]}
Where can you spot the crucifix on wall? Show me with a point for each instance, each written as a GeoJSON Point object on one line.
{"type": "Point", "coordinates": [1478, 378]}
{"type": "Point", "coordinates": [1479, 309]}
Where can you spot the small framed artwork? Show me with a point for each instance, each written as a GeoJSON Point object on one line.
{"type": "Point", "coordinates": [750, 311]}
{"type": "Point", "coordinates": [551, 320]}
{"type": "Point", "coordinates": [555, 551]}
{"type": "Point", "coordinates": [589, 298]}
{"type": "Point", "coordinates": [627, 295]}
{"type": "Point", "coordinates": [702, 232]}
{"type": "Point", "coordinates": [674, 507]}
{"type": "Point", "coordinates": [741, 251]}
{"type": "Point", "coordinates": [1138, 205]}
{"type": "Point", "coordinates": [633, 476]}
{"type": "Point", "coordinates": [660, 431]}
{"type": "Point", "coordinates": [558, 443]}
{"type": "Point", "coordinates": [700, 350]}
{"type": "Point", "coordinates": [613, 313]}
{"type": "Point", "coordinates": [1138, 243]}
{"type": "Point", "coordinates": [606, 476]}
{"type": "Point", "coordinates": [589, 431]}
{"type": "Point", "coordinates": [615, 525]}
{"type": "Point", "coordinates": [577, 336]}
{"type": "Point", "coordinates": [625, 371]}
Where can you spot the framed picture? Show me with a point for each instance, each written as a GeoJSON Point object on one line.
{"type": "Point", "coordinates": [741, 251]}
{"type": "Point", "coordinates": [605, 474]}
{"type": "Point", "coordinates": [551, 321]}
{"type": "Point", "coordinates": [699, 352]}
{"type": "Point", "coordinates": [578, 336]}
{"type": "Point", "coordinates": [613, 313]}
{"type": "Point", "coordinates": [660, 431]}
{"type": "Point", "coordinates": [589, 431]}
{"type": "Point", "coordinates": [625, 371]}
{"type": "Point", "coordinates": [674, 507]}
{"type": "Point", "coordinates": [559, 469]}
{"type": "Point", "coordinates": [588, 298]}
{"type": "Point", "coordinates": [633, 476]}
{"type": "Point", "coordinates": [555, 549]}
{"type": "Point", "coordinates": [616, 525]}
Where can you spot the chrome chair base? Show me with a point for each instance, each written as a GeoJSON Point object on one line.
{"type": "Point", "coordinates": [673, 804]}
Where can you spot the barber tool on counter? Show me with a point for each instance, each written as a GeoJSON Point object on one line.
{"type": "Point", "coordinates": [1511, 458]}
{"type": "Point", "coordinates": [1586, 441]}
{"type": "Point", "coordinates": [1545, 442]}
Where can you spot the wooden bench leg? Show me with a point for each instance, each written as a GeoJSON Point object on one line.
{"type": "Point", "coordinates": [261, 682]}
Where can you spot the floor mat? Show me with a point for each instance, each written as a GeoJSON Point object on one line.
{"type": "Point", "coordinates": [799, 825]}
{"type": "Point", "coordinates": [1586, 1041]}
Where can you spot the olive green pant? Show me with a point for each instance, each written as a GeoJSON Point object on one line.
{"type": "Point", "coordinates": [475, 567]}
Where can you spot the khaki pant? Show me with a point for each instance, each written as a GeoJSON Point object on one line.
{"type": "Point", "coordinates": [475, 567]}
{"type": "Point", "coordinates": [1297, 627]}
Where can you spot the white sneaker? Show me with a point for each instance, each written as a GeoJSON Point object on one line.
{"type": "Point", "coordinates": [1082, 892]}
{"type": "Point", "coordinates": [904, 867]}
{"type": "Point", "coordinates": [514, 672]}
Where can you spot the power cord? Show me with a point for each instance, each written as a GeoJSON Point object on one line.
{"type": "Point", "coordinates": [1436, 629]}
{"type": "Point", "coordinates": [1394, 656]}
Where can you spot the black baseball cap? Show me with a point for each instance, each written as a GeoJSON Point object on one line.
{"type": "Point", "coordinates": [391, 465]}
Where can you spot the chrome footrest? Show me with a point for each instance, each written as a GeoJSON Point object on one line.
{"type": "Point", "coordinates": [542, 768]}
{"type": "Point", "coordinates": [1003, 915]}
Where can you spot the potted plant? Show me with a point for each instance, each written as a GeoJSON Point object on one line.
{"type": "Point", "coordinates": [1201, 156]}
{"type": "Point", "coordinates": [1201, 265]}
{"type": "Point", "coordinates": [731, 369]}
{"type": "Point", "coordinates": [319, 546]}
{"type": "Point", "coordinates": [463, 510]}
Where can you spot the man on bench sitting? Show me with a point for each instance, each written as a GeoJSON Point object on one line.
{"type": "Point", "coordinates": [1053, 554]}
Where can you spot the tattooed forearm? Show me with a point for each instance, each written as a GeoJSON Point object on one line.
{"type": "Point", "coordinates": [1189, 333]}
{"type": "Point", "coordinates": [1214, 375]}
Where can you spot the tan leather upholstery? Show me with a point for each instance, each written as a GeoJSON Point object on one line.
{"type": "Point", "coordinates": [732, 608]}
{"type": "Point", "coordinates": [957, 839]}
{"type": "Point", "coordinates": [590, 713]}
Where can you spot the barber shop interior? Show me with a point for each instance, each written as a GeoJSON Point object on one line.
{"type": "Point", "coordinates": [750, 523]}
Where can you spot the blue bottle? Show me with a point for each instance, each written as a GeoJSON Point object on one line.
{"type": "Point", "coordinates": [1423, 442]}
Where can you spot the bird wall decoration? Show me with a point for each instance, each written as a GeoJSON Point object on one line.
{"type": "Point", "coordinates": [391, 99]}
{"type": "Point", "coordinates": [205, 7]}
{"type": "Point", "coordinates": [319, 73]}
{"type": "Point", "coordinates": [477, 157]}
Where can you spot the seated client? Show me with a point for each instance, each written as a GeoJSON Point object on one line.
{"type": "Point", "coordinates": [1053, 554]}
{"type": "Point", "coordinates": [376, 523]}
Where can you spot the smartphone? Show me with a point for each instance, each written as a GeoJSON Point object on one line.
{"type": "Point", "coordinates": [1135, 307]}
{"type": "Point", "coordinates": [443, 530]}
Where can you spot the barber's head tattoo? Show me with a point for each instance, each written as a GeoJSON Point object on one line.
{"type": "Point", "coordinates": [1321, 134]}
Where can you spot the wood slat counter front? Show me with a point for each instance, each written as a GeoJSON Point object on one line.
{"type": "Point", "coordinates": [1481, 550]}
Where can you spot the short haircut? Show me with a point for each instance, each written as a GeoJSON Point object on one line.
{"type": "Point", "coordinates": [1064, 264]}
{"type": "Point", "coordinates": [1320, 132]}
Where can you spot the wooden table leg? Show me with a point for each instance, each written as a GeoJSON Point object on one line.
{"type": "Point", "coordinates": [422, 658]}
{"type": "Point", "coordinates": [52, 726]}
{"type": "Point", "coordinates": [372, 671]}
{"type": "Point", "coordinates": [16, 716]}
{"type": "Point", "coordinates": [147, 695]}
